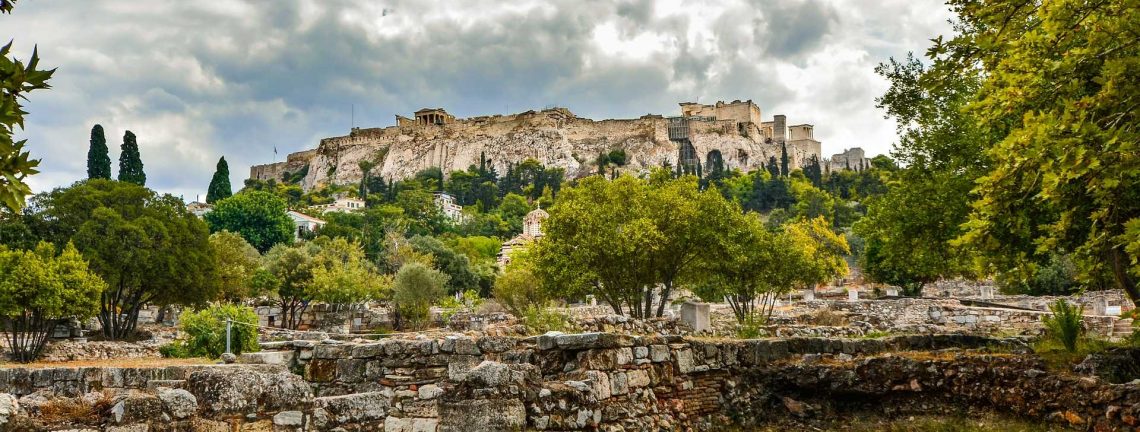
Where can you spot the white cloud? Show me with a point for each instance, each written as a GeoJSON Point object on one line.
{"type": "Point", "coordinates": [196, 80]}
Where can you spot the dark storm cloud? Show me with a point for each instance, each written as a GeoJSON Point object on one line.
{"type": "Point", "coordinates": [198, 80]}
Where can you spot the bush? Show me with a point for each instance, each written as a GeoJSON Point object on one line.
{"type": "Point", "coordinates": [751, 328]}
{"type": "Point", "coordinates": [206, 331]}
{"type": "Point", "coordinates": [538, 320]}
{"type": "Point", "coordinates": [417, 287]}
{"type": "Point", "coordinates": [1064, 326]}
{"type": "Point", "coordinates": [519, 290]}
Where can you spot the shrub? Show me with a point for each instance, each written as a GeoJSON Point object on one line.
{"type": "Point", "coordinates": [417, 287]}
{"type": "Point", "coordinates": [538, 320]}
{"type": "Point", "coordinates": [206, 331]}
{"type": "Point", "coordinates": [518, 290]}
{"type": "Point", "coordinates": [1064, 326]}
{"type": "Point", "coordinates": [176, 349]}
{"type": "Point", "coordinates": [750, 328]}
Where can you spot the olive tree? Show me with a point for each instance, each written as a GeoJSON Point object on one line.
{"type": "Point", "coordinates": [38, 288]}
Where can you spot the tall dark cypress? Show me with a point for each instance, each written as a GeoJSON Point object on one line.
{"type": "Point", "coordinates": [783, 159]}
{"type": "Point", "coordinates": [220, 185]}
{"type": "Point", "coordinates": [130, 163]}
{"type": "Point", "coordinates": [773, 167]}
{"type": "Point", "coordinates": [98, 159]}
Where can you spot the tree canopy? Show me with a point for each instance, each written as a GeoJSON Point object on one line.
{"type": "Point", "coordinates": [98, 158]}
{"type": "Point", "coordinates": [130, 162]}
{"type": "Point", "coordinates": [259, 217]}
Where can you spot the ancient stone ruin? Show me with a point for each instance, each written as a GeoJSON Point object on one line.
{"type": "Point", "coordinates": [731, 133]}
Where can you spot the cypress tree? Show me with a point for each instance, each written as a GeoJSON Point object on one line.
{"type": "Point", "coordinates": [773, 167]}
{"type": "Point", "coordinates": [783, 159]}
{"type": "Point", "coordinates": [130, 163]}
{"type": "Point", "coordinates": [220, 185]}
{"type": "Point", "coordinates": [98, 159]}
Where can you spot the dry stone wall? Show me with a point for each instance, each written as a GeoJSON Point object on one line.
{"type": "Point", "coordinates": [591, 381]}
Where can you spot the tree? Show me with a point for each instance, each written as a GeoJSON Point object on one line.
{"type": "Point", "coordinates": [1059, 93]}
{"type": "Point", "coordinates": [38, 289]}
{"type": "Point", "coordinates": [343, 275]}
{"type": "Point", "coordinates": [220, 184]}
{"type": "Point", "coordinates": [416, 288]}
{"type": "Point", "coordinates": [599, 240]}
{"type": "Point", "coordinates": [519, 289]}
{"type": "Point", "coordinates": [16, 80]}
{"type": "Point", "coordinates": [236, 263]}
{"type": "Point", "coordinates": [784, 170]}
{"type": "Point", "coordinates": [334, 271]}
{"type": "Point", "coordinates": [821, 252]}
{"type": "Point", "coordinates": [259, 217]}
{"type": "Point", "coordinates": [456, 266]}
{"type": "Point", "coordinates": [98, 159]}
{"type": "Point", "coordinates": [749, 264]}
{"type": "Point", "coordinates": [130, 163]}
{"type": "Point", "coordinates": [147, 247]}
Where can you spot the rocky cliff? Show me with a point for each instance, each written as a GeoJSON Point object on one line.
{"type": "Point", "coordinates": [554, 137]}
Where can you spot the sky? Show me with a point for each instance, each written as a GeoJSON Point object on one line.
{"type": "Point", "coordinates": [199, 80]}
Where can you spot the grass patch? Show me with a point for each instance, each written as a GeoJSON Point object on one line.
{"type": "Point", "coordinates": [1059, 358]}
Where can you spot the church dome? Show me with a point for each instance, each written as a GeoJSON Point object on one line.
{"type": "Point", "coordinates": [532, 222]}
{"type": "Point", "coordinates": [536, 215]}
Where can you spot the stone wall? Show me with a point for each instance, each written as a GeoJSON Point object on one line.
{"type": "Point", "coordinates": [564, 382]}
{"type": "Point", "coordinates": [554, 137]}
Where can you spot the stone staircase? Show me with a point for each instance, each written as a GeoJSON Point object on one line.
{"type": "Point", "coordinates": [1121, 329]}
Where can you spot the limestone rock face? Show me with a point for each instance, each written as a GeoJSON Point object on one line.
{"type": "Point", "coordinates": [554, 137]}
{"type": "Point", "coordinates": [223, 391]}
{"type": "Point", "coordinates": [9, 406]}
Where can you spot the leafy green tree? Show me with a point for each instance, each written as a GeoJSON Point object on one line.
{"type": "Point", "coordinates": [236, 263]}
{"type": "Point", "coordinates": [456, 266]}
{"type": "Point", "coordinates": [288, 273]}
{"type": "Point", "coordinates": [38, 289]}
{"type": "Point", "coordinates": [822, 252]}
{"type": "Point", "coordinates": [749, 267]}
{"type": "Point", "coordinates": [147, 247]}
{"type": "Point", "coordinates": [16, 80]}
{"type": "Point", "coordinates": [416, 288]}
{"type": "Point", "coordinates": [220, 184]}
{"type": "Point", "coordinates": [130, 163]}
{"type": "Point", "coordinates": [599, 240]}
{"type": "Point", "coordinates": [259, 217]}
{"type": "Point", "coordinates": [1059, 88]}
{"type": "Point", "coordinates": [98, 159]}
{"type": "Point", "coordinates": [519, 289]}
{"type": "Point", "coordinates": [343, 275]}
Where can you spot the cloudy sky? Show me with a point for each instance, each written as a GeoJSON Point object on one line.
{"type": "Point", "coordinates": [200, 80]}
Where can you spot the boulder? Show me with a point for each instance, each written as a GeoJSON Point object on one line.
{"type": "Point", "coordinates": [9, 406]}
{"type": "Point", "coordinates": [360, 408]}
{"type": "Point", "coordinates": [179, 403]}
{"type": "Point", "coordinates": [241, 390]}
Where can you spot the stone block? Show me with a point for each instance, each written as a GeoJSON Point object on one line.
{"type": "Point", "coordinates": [659, 353]}
{"type": "Point", "coordinates": [637, 378]}
{"type": "Point", "coordinates": [598, 359]}
{"type": "Point", "coordinates": [420, 408]}
{"type": "Point", "coordinates": [354, 408]}
{"type": "Point", "coordinates": [696, 316]}
{"type": "Point", "coordinates": [397, 424]}
{"type": "Point", "coordinates": [331, 351]}
{"type": "Point", "coordinates": [179, 403]}
{"type": "Point", "coordinates": [350, 370]}
{"type": "Point", "coordinates": [685, 361]}
{"type": "Point", "coordinates": [430, 391]}
{"type": "Point", "coordinates": [618, 383]}
{"type": "Point", "coordinates": [283, 358]}
{"type": "Point", "coordinates": [482, 415]}
{"type": "Point", "coordinates": [425, 424]}
{"type": "Point", "coordinates": [459, 366]}
{"type": "Point", "coordinates": [578, 341]}
{"type": "Point", "coordinates": [495, 344]}
{"type": "Point", "coordinates": [368, 351]}
{"type": "Point", "coordinates": [640, 352]}
{"type": "Point", "coordinates": [599, 384]}
{"type": "Point", "coordinates": [289, 418]}
{"type": "Point", "coordinates": [623, 356]}
{"type": "Point", "coordinates": [321, 370]}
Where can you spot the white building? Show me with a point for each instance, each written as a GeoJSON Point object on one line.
{"type": "Point", "coordinates": [342, 205]}
{"type": "Point", "coordinates": [532, 229]}
{"type": "Point", "coordinates": [199, 208]}
{"type": "Point", "coordinates": [447, 205]}
{"type": "Point", "coordinates": [304, 223]}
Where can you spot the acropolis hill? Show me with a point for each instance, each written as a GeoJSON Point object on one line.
{"type": "Point", "coordinates": [732, 131]}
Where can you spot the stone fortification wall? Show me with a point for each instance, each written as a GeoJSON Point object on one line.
{"type": "Point", "coordinates": [554, 137]}
{"type": "Point", "coordinates": [564, 382]}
